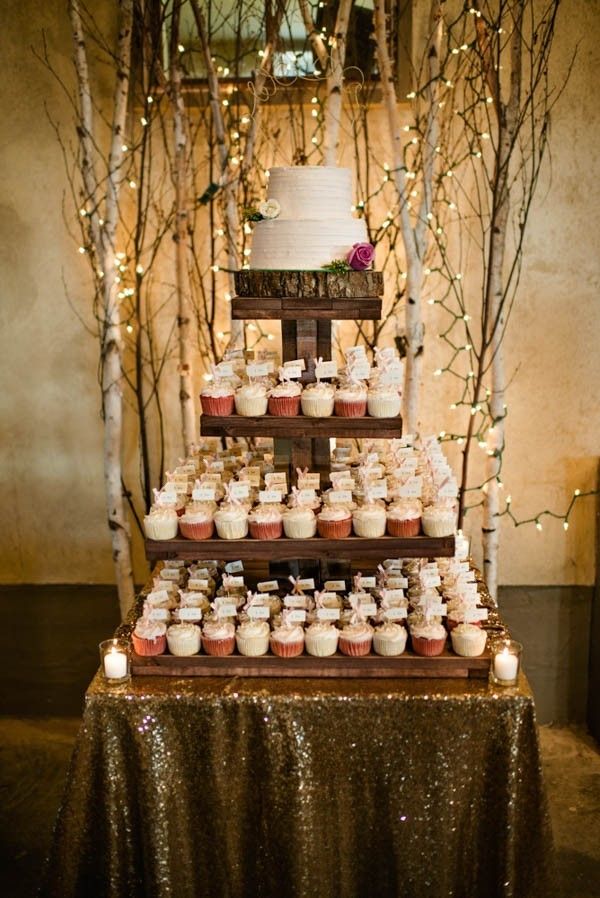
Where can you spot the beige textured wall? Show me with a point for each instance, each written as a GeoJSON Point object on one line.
{"type": "Point", "coordinates": [51, 464]}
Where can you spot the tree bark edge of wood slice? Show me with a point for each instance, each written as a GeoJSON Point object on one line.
{"type": "Point", "coordinates": [325, 284]}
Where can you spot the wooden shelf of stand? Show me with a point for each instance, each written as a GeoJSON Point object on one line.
{"type": "Point", "coordinates": [316, 548]}
{"type": "Point", "coordinates": [294, 308]}
{"type": "Point", "coordinates": [300, 426]}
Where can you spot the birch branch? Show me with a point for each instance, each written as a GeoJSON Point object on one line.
{"type": "Point", "coordinates": [335, 81]}
{"type": "Point", "coordinates": [315, 38]}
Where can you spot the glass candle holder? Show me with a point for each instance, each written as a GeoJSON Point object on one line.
{"type": "Point", "coordinates": [115, 660]}
{"type": "Point", "coordinates": [506, 662]}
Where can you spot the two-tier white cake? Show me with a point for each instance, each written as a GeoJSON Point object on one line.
{"type": "Point", "coordinates": [315, 224]}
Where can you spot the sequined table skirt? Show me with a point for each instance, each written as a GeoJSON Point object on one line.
{"type": "Point", "coordinates": [313, 789]}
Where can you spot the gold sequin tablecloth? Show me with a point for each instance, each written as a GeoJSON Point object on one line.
{"type": "Point", "coordinates": [229, 788]}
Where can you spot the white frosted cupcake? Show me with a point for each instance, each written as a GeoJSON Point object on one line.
{"type": "Point", "coordinates": [321, 639]}
{"type": "Point", "coordinates": [389, 639]}
{"type": "Point", "coordinates": [369, 520]}
{"type": "Point", "coordinates": [161, 523]}
{"type": "Point", "coordinates": [299, 523]}
{"type": "Point", "coordinates": [439, 520]}
{"type": "Point", "coordinates": [317, 400]}
{"type": "Point", "coordinates": [383, 401]}
{"type": "Point", "coordinates": [183, 639]}
{"type": "Point", "coordinates": [251, 400]}
{"type": "Point", "coordinates": [231, 522]}
{"type": "Point", "coordinates": [468, 640]}
{"type": "Point", "coordinates": [252, 638]}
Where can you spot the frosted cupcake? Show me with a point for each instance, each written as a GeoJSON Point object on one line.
{"type": "Point", "coordinates": [265, 522]}
{"type": "Point", "coordinates": [456, 616]}
{"type": "Point", "coordinates": [217, 399]}
{"type": "Point", "coordinates": [287, 640]}
{"type": "Point", "coordinates": [334, 522]}
{"type": "Point", "coordinates": [183, 639]}
{"type": "Point", "coordinates": [351, 401]}
{"type": "Point", "coordinates": [369, 520]}
{"type": "Point", "coordinates": [299, 522]}
{"type": "Point", "coordinates": [231, 521]}
{"type": "Point", "coordinates": [317, 400]}
{"type": "Point", "coordinates": [439, 520]}
{"type": "Point", "coordinates": [404, 518]}
{"type": "Point", "coordinates": [197, 524]}
{"type": "Point", "coordinates": [161, 523]}
{"type": "Point", "coordinates": [252, 638]}
{"type": "Point", "coordinates": [356, 639]}
{"type": "Point", "coordinates": [321, 639]}
{"type": "Point", "coordinates": [389, 639]}
{"type": "Point", "coordinates": [251, 400]}
{"type": "Point", "coordinates": [284, 399]}
{"type": "Point", "coordinates": [428, 638]}
{"type": "Point", "coordinates": [468, 640]}
{"type": "Point", "coordinates": [218, 637]}
{"type": "Point", "coordinates": [149, 637]}
{"type": "Point", "coordinates": [383, 401]}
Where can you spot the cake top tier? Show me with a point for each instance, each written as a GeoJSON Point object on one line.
{"type": "Point", "coordinates": [312, 192]}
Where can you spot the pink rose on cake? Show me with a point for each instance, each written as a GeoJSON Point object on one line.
{"type": "Point", "coordinates": [361, 256]}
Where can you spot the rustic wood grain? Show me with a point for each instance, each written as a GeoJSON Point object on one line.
{"type": "Point", "coordinates": [368, 309]}
{"type": "Point", "coordinates": [349, 285]}
{"type": "Point", "coordinates": [301, 426]}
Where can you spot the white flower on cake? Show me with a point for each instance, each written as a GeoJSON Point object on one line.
{"type": "Point", "coordinates": [269, 209]}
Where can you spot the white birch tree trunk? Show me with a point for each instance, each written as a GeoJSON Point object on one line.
{"type": "Point", "coordinates": [335, 83]}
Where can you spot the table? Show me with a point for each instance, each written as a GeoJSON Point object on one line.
{"type": "Point", "coordinates": [212, 788]}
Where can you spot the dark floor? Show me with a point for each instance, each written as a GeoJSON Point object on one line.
{"type": "Point", "coordinates": [45, 673]}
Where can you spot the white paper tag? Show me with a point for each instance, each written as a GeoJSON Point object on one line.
{"type": "Point", "coordinates": [159, 614]}
{"type": "Point", "coordinates": [188, 470]}
{"type": "Point", "coordinates": [223, 370]}
{"type": "Point", "coordinates": [439, 609]}
{"type": "Point", "coordinates": [169, 574]}
{"type": "Point", "coordinates": [277, 479]}
{"type": "Point", "coordinates": [339, 497]}
{"type": "Point", "coordinates": [239, 490]}
{"type": "Point", "coordinates": [259, 369]}
{"type": "Point", "coordinates": [267, 496]}
{"type": "Point", "coordinates": [309, 481]}
{"type": "Point", "coordinates": [203, 494]}
{"type": "Point", "coordinates": [393, 595]}
{"type": "Point", "coordinates": [213, 477]}
{"type": "Point", "coordinates": [368, 582]}
{"type": "Point", "coordinates": [306, 497]}
{"type": "Point", "coordinates": [335, 585]}
{"type": "Point", "coordinates": [395, 613]}
{"type": "Point", "coordinates": [174, 563]}
{"type": "Point", "coordinates": [259, 612]}
{"type": "Point", "coordinates": [293, 363]}
{"type": "Point", "coordinates": [292, 372]}
{"type": "Point", "coordinates": [393, 377]}
{"type": "Point", "coordinates": [296, 616]}
{"type": "Point", "coordinates": [449, 490]}
{"type": "Point", "coordinates": [378, 490]}
{"type": "Point", "coordinates": [190, 614]}
{"type": "Point", "coordinates": [475, 614]}
{"type": "Point", "coordinates": [235, 567]}
{"type": "Point", "coordinates": [268, 586]}
{"type": "Point", "coordinates": [326, 369]}
{"type": "Point", "coordinates": [164, 500]}
{"type": "Point", "coordinates": [368, 608]}
{"type": "Point", "coordinates": [397, 583]}
{"type": "Point", "coordinates": [307, 583]}
{"type": "Point", "coordinates": [157, 596]}
{"type": "Point", "coordinates": [328, 613]}
{"type": "Point", "coordinates": [295, 601]}
{"type": "Point", "coordinates": [355, 352]}
{"type": "Point", "coordinates": [430, 580]}
{"type": "Point", "coordinates": [411, 488]}
{"type": "Point", "coordinates": [226, 609]}
{"type": "Point", "coordinates": [198, 584]}
{"type": "Point", "coordinates": [216, 466]}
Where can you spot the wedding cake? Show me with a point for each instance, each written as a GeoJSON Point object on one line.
{"type": "Point", "coordinates": [314, 223]}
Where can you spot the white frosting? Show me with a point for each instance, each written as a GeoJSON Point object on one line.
{"type": "Point", "coordinates": [315, 224]}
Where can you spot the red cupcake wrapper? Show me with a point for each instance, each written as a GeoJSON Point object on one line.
{"type": "Point", "coordinates": [149, 646]}
{"type": "Point", "coordinates": [202, 530]}
{"type": "Point", "coordinates": [454, 623]}
{"type": "Point", "coordinates": [428, 647]}
{"type": "Point", "coordinates": [218, 647]}
{"type": "Point", "coordinates": [355, 649]}
{"type": "Point", "coordinates": [335, 529]}
{"type": "Point", "coordinates": [284, 406]}
{"type": "Point", "coordinates": [286, 649]}
{"type": "Point", "coordinates": [217, 405]}
{"type": "Point", "coordinates": [265, 530]}
{"type": "Point", "coordinates": [396, 527]}
{"type": "Point", "coordinates": [356, 409]}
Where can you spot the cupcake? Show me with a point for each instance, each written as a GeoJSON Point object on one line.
{"type": "Point", "coordinates": [231, 521]}
{"type": "Point", "coordinates": [334, 522]}
{"type": "Point", "coordinates": [284, 399]}
{"type": "Point", "coordinates": [265, 522]}
{"type": "Point", "coordinates": [404, 518]}
{"type": "Point", "coordinates": [149, 637]}
{"type": "Point", "coordinates": [389, 639]}
{"type": "Point", "coordinates": [251, 400]}
{"type": "Point", "coordinates": [321, 639]}
{"type": "Point", "coordinates": [299, 522]}
{"type": "Point", "coordinates": [287, 640]}
{"type": "Point", "coordinates": [428, 638]}
{"type": "Point", "coordinates": [183, 639]}
{"type": "Point", "coordinates": [317, 400]}
{"type": "Point", "coordinates": [468, 640]}
{"type": "Point", "coordinates": [439, 520]}
{"type": "Point", "coordinates": [356, 639]}
{"type": "Point", "coordinates": [161, 523]}
{"type": "Point", "coordinates": [369, 520]}
{"type": "Point", "coordinates": [456, 616]}
{"type": "Point", "coordinates": [351, 401]}
{"type": "Point", "coordinates": [197, 524]}
{"type": "Point", "coordinates": [218, 637]}
{"type": "Point", "coordinates": [217, 399]}
{"type": "Point", "coordinates": [252, 638]}
{"type": "Point", "coordinates": [383, 401]}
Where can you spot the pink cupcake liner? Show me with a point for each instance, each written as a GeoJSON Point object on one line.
{"type": "Point", "coordinates": [428, 647]}
{"type": "Point", "coordinates": [345, 409]}
{"type": "Point", "coordinates": [355, 649]}
{"type": "Point", "coordinates": [203, 530]}
{"type": "Point", "coordinates": [217, 405]}
{"type": "Point", "coordinates": [220, 647]}
{"type": "Point", "coordinates": [335, 529]}
{"type": "Point", "coordinates": [396, 527]}
{"type": "Point", "coordinates": [286, 649]}
{"type": "Point", "coordinates": [149, 646]}
{"type": "Point", "coordinates": [284, 406]}
{"type": "Point", "coordinates": [265, 529]}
